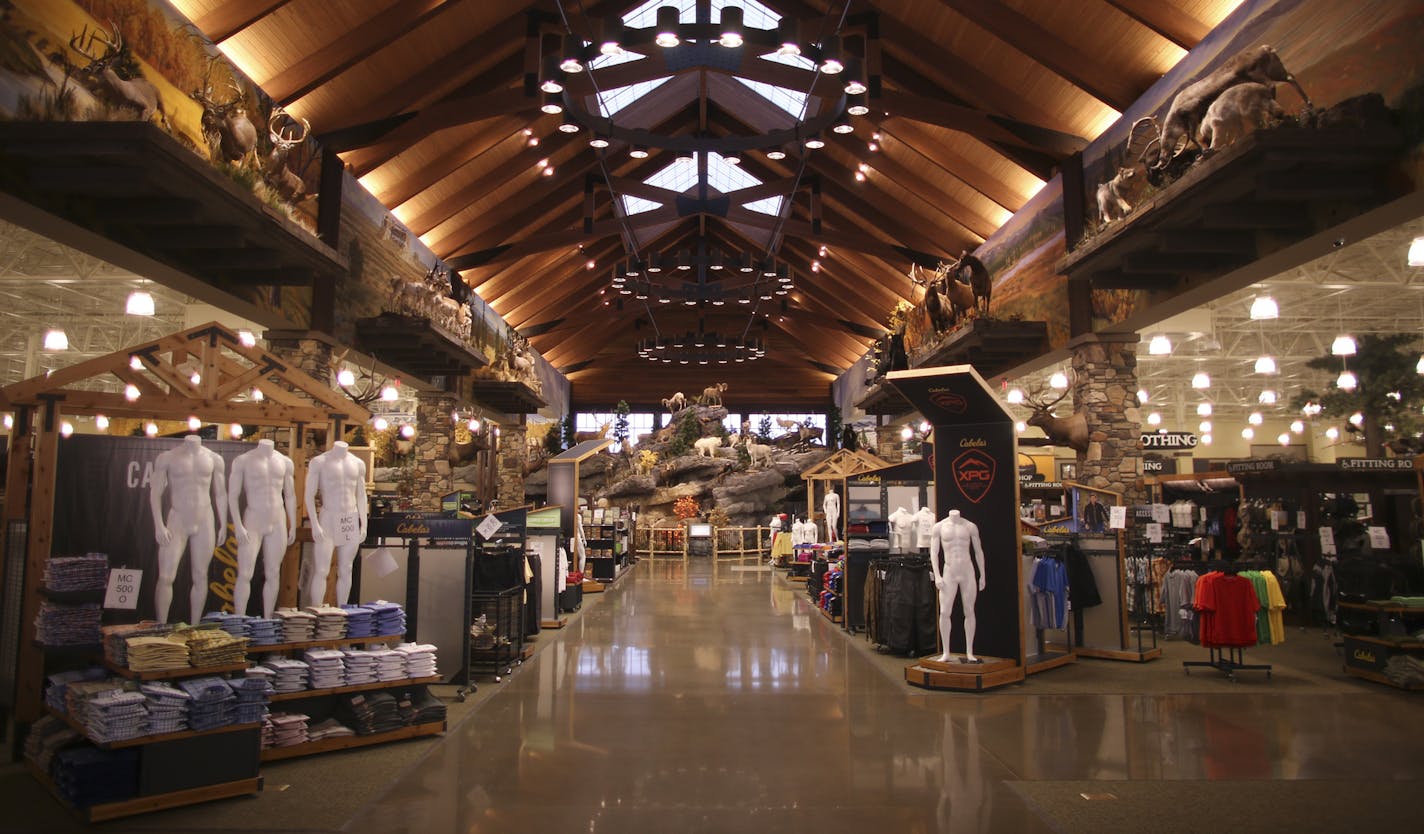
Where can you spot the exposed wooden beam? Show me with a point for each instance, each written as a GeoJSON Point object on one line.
{"type": "Point", "coordinates": [489, 140]}
{"type": "Point", "coordinates": [884, 164]}
{"type": "Point", "coordinates": [914, 139]}
{"type": "Point", "coordinates": [1049, 49]}
{"type": "Point", "coordinates": [1021, 152]}
{"type": "Point", "coordinates": [1166, 20]}
{"type": "Point", "coordinates": [545, 197]}
{"type": "Point", "coordinates": [353, 46]}
{"type": "Point", "coordinates": [234, 16]}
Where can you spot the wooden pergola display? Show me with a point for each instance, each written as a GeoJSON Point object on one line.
{"type": "Point", "coordinates": [204, 372]}
{"type": "Point", "coordinates": [838, 467]}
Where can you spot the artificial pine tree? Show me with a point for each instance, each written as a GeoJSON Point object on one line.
{"type": "Point", "coordinates": [620, 425]}
{"type": "Point", "coordinates": [1388, 394]}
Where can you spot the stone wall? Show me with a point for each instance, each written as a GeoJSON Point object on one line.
{"type": "Point", "coordinates": [1105, 390]}
{"type": "Point", "coordinates": [513, 449]}
{"type": "Point", "coordinates": [432, 467]}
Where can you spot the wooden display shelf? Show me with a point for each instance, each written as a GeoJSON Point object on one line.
{"type": "Point", "coordinates": [559, 622]}
{"type": "Point", "coordinates": [1366, 674]}
{"type": "Point", "coordinates": [828, 615]}
{"type": "Point", "coordinates": [1385, 641]}
{"type": "Point", "coordinates": [139, 741]}
{"type": "Point", "coordinates": [327, 745]}
{"type": "Point", "coordinates": [1382, 608]}
{"type": "Point", "coordinates": [72, 597]}
{"type": "Point", "coordinates": [171, 674]}
{"type": "Point", "coordinates": [361, 687]}
{"type": "Point", "coordinates": [147, 804]}
{"type": "Point", "coordinates": [1129, 655]}
{"type": "Point", "coordinates": [593, 586]}
{"type": "Point", "coordinates": [1047, 660]}
{"type": "Point", "coordinates": [322, 644]}
{"type": "Point", "coordinates": [993, 672]}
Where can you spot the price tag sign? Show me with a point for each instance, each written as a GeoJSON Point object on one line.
{"type": "Point", "coordinates": [1327, 541]}
{"type": "Point", "coordinates": [1154, 532]}
{"type": "Point", "coordinates": [347, 530]}
{"type": "Point", "coordinates": [1379, 538]}
{"type": "Point", "coordinates": [1277, 516]}
{"type": "Point", "coordinates": [122, 592]}
{"type": "Point", "coordinates": [489, 526]}
{"type": "Point", "coordinates": [1117, 517]}
{"type": "Point", "coordinates": [1161, 513]}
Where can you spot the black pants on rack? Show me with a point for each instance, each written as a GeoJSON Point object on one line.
{"type": "Point", "coordinates": [907, 606]}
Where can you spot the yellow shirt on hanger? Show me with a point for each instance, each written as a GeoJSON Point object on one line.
{"type": "Point", "coordinates": [1275, 604]}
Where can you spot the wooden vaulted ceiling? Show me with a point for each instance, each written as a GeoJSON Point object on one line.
{"type": "Point", "coordinates": [982, 99]}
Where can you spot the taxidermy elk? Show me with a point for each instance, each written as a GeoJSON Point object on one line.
{"type": "Point", "coordinates": [1070, 431]}
{"type": "Point", "coordinates": [230, 133]}
{"type": "Point", "coordinates": [137, 93]}
{"type": "Point", "coordinates": [1179, 127]}
{"type": "Point", "coordinates": [970, 270]}
{"type": "Point", "coordinates": [286, 132]}
{"type": "Point", "coordinates": [937, 303]}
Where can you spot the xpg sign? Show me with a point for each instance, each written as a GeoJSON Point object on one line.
{"type": "Point", "coordinates": [1169, 440]}
{"type": "Point", "coordinates": [973, 473]}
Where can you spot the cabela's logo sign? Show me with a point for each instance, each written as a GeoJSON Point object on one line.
{"type": "Point", "coordinates": [948, 400]}
{"type": "Point", "coordinates": [973, 473]}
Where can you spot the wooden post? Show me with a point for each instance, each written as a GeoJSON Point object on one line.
{"type": "Point", "coordinates": [1075, 200]}
{"type": "Point", "coordinates": [29, 676]}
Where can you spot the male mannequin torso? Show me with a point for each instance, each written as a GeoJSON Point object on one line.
{"type": "Point", "coordinates": [340, 526]}
{"type": "Point", "coordinates": [924, 527]}
{"type": "Point", "coordinates": [193, 478]}
{"type": "Point", "coordinates": [900, 530]}
{"type": "Point", "coordinates": [269, 524]}
{"type": "Point", "coordinates": [958, 539]}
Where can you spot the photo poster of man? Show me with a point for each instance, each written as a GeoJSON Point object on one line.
{"type": "Point", "coordinates": [1090, 512]}
{"type": "Point", "coordinates": [101, 506]}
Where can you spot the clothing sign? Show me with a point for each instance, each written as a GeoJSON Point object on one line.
{"type": "Point", "coordinates": [1154, 533]}
{"type": "Point", "coordinates": [101, 506]}
{"type": "Point", "coordinates": [124, 584]}
{"type": "Point", "coordinates": [1379, 538]}
{"type": "Point", "coordinates": [1327, 541]}
{"type": "Point", "coordinates": [489, 526]}
{"type": "Point", "coordinates": [1161, 514]}
{"type": "Point", "coordinates": [1168, 440]}
{"type": "Point", "coordinates": [347, 530]}
{"type": "Point", "coordinates": [1117, 517]}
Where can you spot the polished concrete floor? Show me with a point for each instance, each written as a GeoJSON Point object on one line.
{"type": "Point", "coordinates": [698, 698]}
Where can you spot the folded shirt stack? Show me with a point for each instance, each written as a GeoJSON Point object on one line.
{"type": "Point", "coordinates": [264, 632]}
{"type": "Point", "coordinates": [390, 664]}
{"type": "Point", "coordinates": [330, 728]}
{"type": "Point", "coordinates": [360, 667]}
{"type": "Point", "coordinates": [116, 715]}
{"type": "Point", "coordinates": [87, 776]}
{"type": "Point", "coordinates": [419, 659]}
{"type": "Point", "coordinates": [360, 621]}
{"type": "Point", "coordinates": [298, 626]}
{"type": "Point", "coordinates": [68, 625]}
{"type": "Point", "coordinates": [390, 617]}
{"type": "Point", "coordinates": [116, 638]}
{"type": "Point", "coordinates": [284, 729]}
{"type": "Point", "coordinates": [78, 693]}
{"type": "Point", "coordinates": [424, 707]}
{"type": "Point", "coordinates": [89, 572]}
{"type": "Point", "coordinates": [156, 654]}
{"type": "Point", "coordinates": [252, 697]}
{"type": "Point", "coordinates": [288, 675]}
{"type": "Point", "coordinates": [234, 624]}
{"type": "Point", "coordinates": [330, 621]}
{"type": "Point", "coordinates": [327, 668]}
{"type": "Point", "coordinates": [213, 647]}
{"type": "Point", "coordinates": [57, 685]}
{"type": "Point", "coordinates": [167, 707]}
{"type": "Point", "coordinates": [213, 705]}
{"type": "Point", "coordinates": [369, 713]}
{"type": "Point", "coordinates": [49, 735]}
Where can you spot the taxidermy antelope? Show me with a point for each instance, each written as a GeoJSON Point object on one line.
{"type": "Point", "coordinates": [1071, 431]}
{"type": "Point", "coordinates": [136, 93]}
{"type": "Point", "coordinates": [286, 132]}
{"type": "Point", "coordinates": [712, 394]}
{"type": "Point", "coordinates": [1179, 127]}
{"type": "Point", "coordinates": [230, 133]}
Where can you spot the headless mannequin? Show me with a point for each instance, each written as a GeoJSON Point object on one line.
{"type": "Point", "coordinates": [340, 477]}
{"type": "Point", "coordinates": [901, 527]}
{"type": "Point", "coordinates": [924, 527]}
{"type": "Point", "coordinates": [831, 505]}
{"type": "Point", "coordinates": [958, 538]}
{"type": "Point", "coordinates": [193, 478]}
{"type": "Point", "coordinates": [270, 523]}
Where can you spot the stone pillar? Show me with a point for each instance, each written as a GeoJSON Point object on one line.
{"type": "Point", "coordinates": [309, 352]}
{"type": "Point", "coordinates": [513, 449]}
{"type": "Point", "coordinates": [432, 444]}
{"type": "Point", "coordinates": [1105, 391]}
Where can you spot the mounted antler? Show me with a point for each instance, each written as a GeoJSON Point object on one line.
{"type": "Point", "coordinates": [230, 133]}
{"type": "Point", "coordinates": [136, 92]}
{"type": "Point", "coordinates": [287, 132]}
{"type": "Point", "coordinates": [364, 387]}
{"type": "Point", "coordinates": [1070, 431]}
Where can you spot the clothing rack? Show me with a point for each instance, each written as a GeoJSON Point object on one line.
{"type": "Point", "coordinates": [1228, 659]}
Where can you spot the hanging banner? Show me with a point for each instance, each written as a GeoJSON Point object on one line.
{"type": "Point", "coordinates": [101, 506]}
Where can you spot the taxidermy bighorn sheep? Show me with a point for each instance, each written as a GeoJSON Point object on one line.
{"type": "Point", "coordinates": [1189, 109]}
{"type": "Point", "coordinates": [712, 394]}
{"type": "Point", "coordinates": [675, 403]}
{"type": "Point", "coordinates": [1070, 431]}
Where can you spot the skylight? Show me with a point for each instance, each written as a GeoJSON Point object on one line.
{"type": "Point", "coordinates": [611, 101]}
{"type": "Point", "coordinates": [681, 176]}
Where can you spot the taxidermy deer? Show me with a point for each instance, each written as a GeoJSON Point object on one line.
{"type": "Point", "coordinates": [972, 271]}
{"type": "Point", "coordinates": [286, 132]}
{"type": "Point", "coordinates": [937, 304]}
{"type": "Point", "coordinates": [137, 93]}
{"type": "Point", "coordinates": [1237, 112]}
{"type": "Point", "coordinates": [1071, 431]}
{"type": "Point", "coordinates": [712, 394]}
{"type": "Point", "coordinates": [1112, 196]}
{"type": "Point", "coordinates": [1179, 127]}
{"type": "Point", "coordinates": [230, 133]}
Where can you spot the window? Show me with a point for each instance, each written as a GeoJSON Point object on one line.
{"type": "Point", "coordinates": [639, 423]}
{"type": "Point", "coordinates": [681, 176]}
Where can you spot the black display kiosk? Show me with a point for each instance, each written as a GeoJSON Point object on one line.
{"type": "Point", "coordinates": [975, 470]}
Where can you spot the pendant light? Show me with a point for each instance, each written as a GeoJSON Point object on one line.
{"type": "Point", "coordinates": [1346, 381]}
{"type": "Point", "coordinates": [1203, 409]}
{"type": "Point", "coordinates": [1297, 426]}
{"type": "Point", "coordinates": [1416, 252]}
{"type": "Point", "coordinates": [1154, 419]}
{"type": "Point", "coordinates": [55, 339]}
{"type": "Point", "coordinates": [1204, 426]}
{"type": "Point", "coordinates": [1332, 433]}
{"type": "Point", "coordinates": [1266, 397]}
{"type": "Point", "coordinates": [1142, 396]}
{"type": "Point", "coordinates": [1159, 346]}
{"type": "Point", "coordinates": [1344, 345]}
{"type": "Point", "coordinates": [1015, 396]}
{"type": "Point", "coordinates": [1265, 365]}
{"type": "Point", "coordinates": [1059, 380]}
{"type": "Point", "coordinates": [1264, 307]}
{"type": "Point", "coordinates": [139, 303]}
{"type": "Point", "coordinates": [667, 20]}
{"type": "Point", "coordinates": [1201, 380]}
{"type": "Point", "coordinates": [1283, 438]}
{"type": "Point", "coordinates": [1248, 433]}
{"type": "Point", "coordinates": [1255, 418]}
{"type": "Point", "coordinates": [731, 27]}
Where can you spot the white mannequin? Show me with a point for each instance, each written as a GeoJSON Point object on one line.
{"type": "Point", "coordinates": [775, 524]}
{"type": "Point", "coordinates": [958, 537]}
{"type": "Point", "coordinates": [270, 523]}
{"type": "Point", "coordinates": [801, 534]}
{"type": "Point", "coordinates": [193, 477]}
{"type": "Point", "coordinates": [924, 527]}
{"type": "Point", "coordinates": [340, 477]}
{"type": "Point", "coordinates": [831, 504]}
{"type": "Point", "coordinates": [901, 527]}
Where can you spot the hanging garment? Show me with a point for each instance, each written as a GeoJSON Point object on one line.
{"type": "Point", "coordinates": [1082, 587]}
{"type": "Point", "coordinates": [1228, 607]}
{"type": "Point", "coordinates": [1048, 593]}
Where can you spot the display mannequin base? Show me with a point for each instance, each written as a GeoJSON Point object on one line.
{"type": "Point", "coordinates": [592, 586]}
{"type": "Point", "coordinates": [988, 673]}
{"type": "Point", "coordinates": [1127, 655]}
{"type": "Point", "coordinates": [555, 623]}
